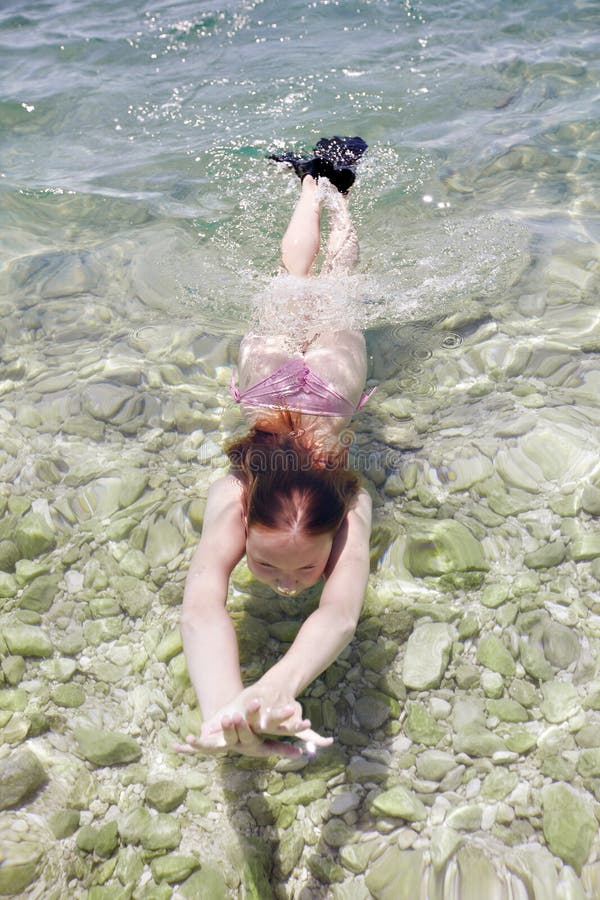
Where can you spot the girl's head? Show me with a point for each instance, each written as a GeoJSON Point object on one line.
{"type": "Point", "coordinates": [295, 501]}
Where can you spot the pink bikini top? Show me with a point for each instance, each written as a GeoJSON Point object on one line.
{"type": "Point", "coordinates": [294, 386]}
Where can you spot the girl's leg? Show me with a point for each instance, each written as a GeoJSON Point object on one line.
{"type": "Point", "coordinates": [341, 254]}
{"type": "Point", "coordinates": [301, 241]}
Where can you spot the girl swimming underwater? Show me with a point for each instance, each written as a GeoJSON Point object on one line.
{"type": "Point", "coordinates": [289, 503]}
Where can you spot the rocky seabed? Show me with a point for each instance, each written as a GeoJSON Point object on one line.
{"type": "Point", "coordinates": [467, 709]}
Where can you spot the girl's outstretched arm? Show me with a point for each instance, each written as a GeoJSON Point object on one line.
{"type": "Point", "coordinates": [329, 629]}
{"type": "Point", "coordinates": [209, 640]}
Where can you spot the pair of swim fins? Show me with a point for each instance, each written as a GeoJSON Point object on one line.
{"type": "Point", "coordinates": [334, 158]}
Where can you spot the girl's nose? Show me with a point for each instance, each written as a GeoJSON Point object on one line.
{"type": "Point", "coordinates": [287, 585]}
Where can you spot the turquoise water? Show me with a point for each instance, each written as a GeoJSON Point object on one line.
{"type": "Point", "coordinates": [139, 222]}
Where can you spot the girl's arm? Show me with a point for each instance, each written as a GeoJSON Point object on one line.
{"type": "Point", "coordinates": [209, 640]}
{"type": "Point", "coordinates": [210, 643]}
{"type": "Point", "coordinates": [331, 627]}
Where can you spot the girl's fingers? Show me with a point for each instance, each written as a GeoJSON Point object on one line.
{"type": "Point", "coordinates": [311, 737]}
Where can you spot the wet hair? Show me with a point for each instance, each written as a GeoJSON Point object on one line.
{"type": "Point", "coordinates": [288, 484]}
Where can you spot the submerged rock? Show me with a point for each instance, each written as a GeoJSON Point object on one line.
{"type": "Point", "coordinates": [492, 653]}
{"type": "Point", "coordinates": [569, 824]}
{"type": "Point", "coordinates": [21, 775]}
{"type": "Point", "coordinates": [440, 547]}
{"type": "Point", "coordinates": [427, 654]}
{"type": "Point", "coordinates": [400, 803]}
{"type": "Point", "coordinates": [106, 748]}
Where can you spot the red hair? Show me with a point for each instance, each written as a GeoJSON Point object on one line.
{"type": "Point", "coordinates": [289, 484]}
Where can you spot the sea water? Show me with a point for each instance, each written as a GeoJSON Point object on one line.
{"type": "Point", "coordinates": [139, 230]}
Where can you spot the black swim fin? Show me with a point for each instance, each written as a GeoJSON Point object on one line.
{"type": "Point", "coordinates": [335, 158]}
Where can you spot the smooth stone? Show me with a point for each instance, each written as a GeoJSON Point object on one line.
{"type": "Point", "coordinates": [585, 547]}
{"type": "Point", "coordinates": [477, 741]}
{"type": "Point", "coordinates": [588, 764]}
{"type": "Point", "coordinates": [163, 832]}
{"type": "Point", "coordinates": [20, 866]}
{"type": "Point", "coordinates": [560, 701]}
{"type": "Point", "coordinates": [492, 684]}
{"type": "Point", "coordinates": [507, 710]}
{"type": "Point", "coordinates": [439, 547]}
{"type": "Point", "coordinates": [21, 776]}
{"type": "Point", "coordinates": [477, 877]}
{"type": "Point", "coordinates": [399, 803]}
{"type": "Point", "coordinates": [569, 824]}
{"type": "Point", "coordinates": [13, 699]}
{"type": "Point", "coordinates": [465, 818]}
{"type": "Point", "coordinates": [444, 844]}
{"type": "Point", "coordinates": [396, 875]}
{"type": "Point", "coordinates": [14, 668]}
{"type": "Point", "coordinates": [588, 736]}
{"type": "Point", "coordinates": [356, 857]}
{"type": "Point", "coordinates": [207, 882]}
{"type": "Point", "coordinates": [34, 536]}
{"type": "Point", "coordinates": [426, 655]}
{"type": "Point", "coordinates": [64, 823]}
{"type": "Point", "coordinates": [173, 868]}
{"type": "Point", "coordinates": [135, 597]}
{"type": "Point", "coordinates": [163, 543]}
{"type": "Point", "coordinates": [499, 784]}
{"type": "Point", "coordinates": [133, 825]}
{"type": "Point", "coordinates": [303, 793]}
{"type": "Point", "coordinates": [289, 851]}
{"type": "Point", "coordinates": [373, 709]}
{"type": "Point", "coordinates": [520, 741]}
{"type": "Point", "coordinates": [336, 833]}
{"type": "Point", "coordinates": [551, 554]}
{"type": "Point", "coordinates": [421, 727]}
{"type": "Point", "coordinates": [561, 646]}
{"type": "Point", "coordinates": [9, 554]}
{"type": "Point", "coordinates": [492, 653]}
{"type": "Point", "coordinates": [533, 661]}
{"type": "Point", "coordinates": [361, 770]}
{"type": "Point", "coordinates": [433, 765]}
{"type": "Point", "coordinates": [524, 693]}
{"type": "Point", "coordinates": [135, 563]}
{"type": "Point", "coordinates": [27, 640]}
{"type": "Point", "coordinates": [8, 585]}
{"type": "Point", "coordinates": [590, 500]}
{"type": "Point", "coordinates": [106, 748]}
{"type": "Point", "coordinates": [170, 645]}
{"type": "Point", "coordinates": [495, 595]}
{"type": "Point", "coordinates": [69, 696]}
{"type": "Point", "coordinates": [165, 796]}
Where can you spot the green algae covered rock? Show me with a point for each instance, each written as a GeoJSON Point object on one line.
{"type": "Point", "coordinates": [162, 832]}
{"type": "Point", "coordinates": [396, 875]}
{"type": "Point", "coordinates": [492, 653]}
{"type": "Point", "coordinates": [27, 640]}
{"type": "Point", "coordinates": [173, 868]}
{"type": "Point", "coordinates": [561, 701]}
{"type": "Point", "coordinates": [427, 654]}
{"type": "Point", "coordinates": [421, 727]}
{"type": "Point", "coordinates": [33, 536]}
{"type": "Point", "coordinates": [165, 795]}
{"type": "Point", "coordinates": [20, 867]}
{"type": "Point", "coordinates": [441, 546]}
{"type": "Point", "coordinates": [569, 824]}
{"type": "Point", "coordinates": [106, 748]}
{"type": "Point", "coordinates": [205, 882]}
{"type": "Point", "coordinates": [399, 803]}
{"type": "Point", "coordinates": [303, 793]}
{"type": "Point", "coordinates": [21, 775]}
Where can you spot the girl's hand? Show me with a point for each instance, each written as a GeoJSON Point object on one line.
{"type": "Point", "coordinates": [233, 734]}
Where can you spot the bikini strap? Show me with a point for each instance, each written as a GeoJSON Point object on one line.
{"type": "Point", "coordinates": [233, 388]}
{"type": "Point", "coordinates": [365, 397]}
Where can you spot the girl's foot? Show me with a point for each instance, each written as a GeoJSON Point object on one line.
{"type": "Point", "coordinates": [335, 158]}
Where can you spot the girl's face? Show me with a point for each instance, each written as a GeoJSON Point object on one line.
{"type": "Point", "coordinates": [289, 563]}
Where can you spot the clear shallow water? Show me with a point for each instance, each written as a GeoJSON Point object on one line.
{"type": "Point", "coordinates": [139, 220]}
